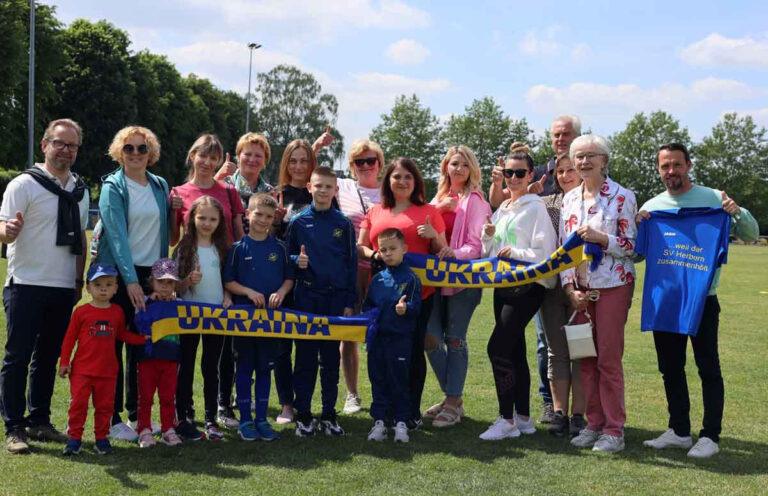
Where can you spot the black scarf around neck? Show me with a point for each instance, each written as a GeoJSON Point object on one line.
{"type": "Point", "coordinates": [68, 231]}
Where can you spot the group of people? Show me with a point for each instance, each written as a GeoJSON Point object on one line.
{"type": "Point", "coordinates": [332, 246]}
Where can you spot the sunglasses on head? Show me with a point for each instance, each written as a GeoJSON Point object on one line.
{"type": "Point", "coordinates": [510, 173]}
{"type": "Point", "coordinates": [142, 149]}
{"type": "Point", "coordinates": [360, 161]}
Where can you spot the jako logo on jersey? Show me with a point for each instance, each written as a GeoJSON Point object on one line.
{"type": "Point", "coordinates": [337, 232]}
{"type": "Point", "coordinates": [272, 257]}
{"type": "Point", "coordinates": [403, 286]}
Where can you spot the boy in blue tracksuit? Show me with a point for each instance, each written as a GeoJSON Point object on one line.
{"type": "Point", "coordinates": [321, 241]}
{"type": "Point", "coordinates": [396, 292]}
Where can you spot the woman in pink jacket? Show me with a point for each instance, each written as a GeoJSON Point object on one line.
{"type": "Point", "coordinates": [464, 211]}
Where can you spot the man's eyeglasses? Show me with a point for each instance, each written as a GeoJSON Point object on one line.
{"type": "Point", "coordinates": [359, 162]}
{"type": "Point", "coordinates": [520, 173]}
{"type": "Point", "coordinates": [60, 145]}
{"type": "Point", "coordinates": [584, 157]}
{"type": "Point", "coordinates": [142, 149]}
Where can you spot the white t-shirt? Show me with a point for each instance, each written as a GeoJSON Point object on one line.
{"type": "Point", "coordinates": [355, 201]}
{"type": "Point", "coordinates": [209, 289]}
{"type": "Point", "coordinates": [33, 258]}
{"type": "Point", "coordinates": [143, 224]}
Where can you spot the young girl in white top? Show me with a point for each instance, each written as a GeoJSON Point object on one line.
{"type": "Point", "coordinates": [201, 254]}
{"type": "Point", "coordinates": [520, 229]}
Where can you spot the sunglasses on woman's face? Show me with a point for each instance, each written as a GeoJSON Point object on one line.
{"type": "Point", "coordinates": [361, 161]}
{"type": "Point", "coordinates": [520, 173]}
{"type": "Point", "coordinates": [142, 149]}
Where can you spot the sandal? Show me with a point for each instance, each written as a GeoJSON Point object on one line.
{"type": "Point", "coordinates": [434, 411]}
{"type": "Point", "coordinates": [449, 416]}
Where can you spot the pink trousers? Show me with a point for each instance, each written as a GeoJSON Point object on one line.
{"type": "Point", "coordinates": [603, 376]}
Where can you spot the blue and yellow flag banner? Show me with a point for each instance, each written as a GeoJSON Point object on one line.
{"type": "Point", "coordinates": [184, 317]}
{"type": "Point", "coordinates": [501, 272]}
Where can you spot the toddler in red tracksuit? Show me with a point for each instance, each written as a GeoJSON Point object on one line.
{"type": "Point", "coordinates": [93, 372]}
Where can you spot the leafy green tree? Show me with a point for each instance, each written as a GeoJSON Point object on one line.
{"type": "Point", "coordinates": [290, 104]}
{"type": "Point", "coordinates": [633, 151]}
{"type": "Point", "coordinates": [96, 90]}
{"type": "Point", "coordinates": [225, 111]}
{"type": "Point", "coordinates": [411, 130]}
{"type": "Point", "coordinates": [735, 159]}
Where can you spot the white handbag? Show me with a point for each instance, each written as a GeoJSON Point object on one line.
{"type": "Point", "coordinates": [579, 336]}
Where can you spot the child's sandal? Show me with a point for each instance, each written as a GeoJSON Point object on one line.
{"type": "Point", "coordinates": [449, 416]}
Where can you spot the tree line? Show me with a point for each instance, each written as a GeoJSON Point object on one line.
{"type": "Point", "coordinates": [87, 71]}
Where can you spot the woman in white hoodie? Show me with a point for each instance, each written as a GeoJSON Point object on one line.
{"type": "Point", "coordinates": [520, 229]}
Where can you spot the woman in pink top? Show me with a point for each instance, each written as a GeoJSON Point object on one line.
{"type": "Point", "coordinates": [464, 211]}
{"type": "Point", "coordinates": [403, 206]}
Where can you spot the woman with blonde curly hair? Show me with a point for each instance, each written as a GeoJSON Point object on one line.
{"type": "Point", "coordinates": [464, 210]}
{"type": "Point", "coordinates": [134, 228]}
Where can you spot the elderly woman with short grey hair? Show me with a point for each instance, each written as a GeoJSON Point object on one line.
{"type": "Point", "coordinates": [601, 212]}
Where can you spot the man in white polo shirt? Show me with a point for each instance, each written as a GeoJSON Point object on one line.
{"type": "Point", "coordinates": [43, 218]}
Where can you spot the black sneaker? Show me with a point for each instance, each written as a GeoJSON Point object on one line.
{"type": "Point", "coordinates": [547, 414]}
{"type": "Point", "coordinates": [414, 424]}
{"type": "Point", "coordinates": [329, 426]}
{"type": "Point", "coordinates": [578, 424]}
{"type": "Point", "coordinates": [305, 425]}
{"type": "Point", "coordinates": [559, 425]}
{"type": "Point", "coordinates": [46, 433]}
{"type": "Point", "coordinates": [188, 431]}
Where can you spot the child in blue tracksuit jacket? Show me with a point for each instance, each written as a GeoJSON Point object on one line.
{"type": "Point", "coordinates": [321, 241]}
{"type": "Point", "coordinates": [396, 292]}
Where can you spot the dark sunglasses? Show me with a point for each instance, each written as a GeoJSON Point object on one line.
{"type": "Point", "coordinates": [142, 149]}
{"type": "Point", "coordinates": [360, 161]}
{"type": "Point", "coordinates": [510, 173]}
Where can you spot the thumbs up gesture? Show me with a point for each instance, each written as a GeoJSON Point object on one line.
{"type": "Point", "coordinates": [325, 139]}
{"type": "Point", "coordinates": [303, 260]}
{"type": "Point", "coordinates": [537, 187]}
{"type": "Point", "coordinates": [729, 205]}
{"type": "Point", "coordinates": [489, 230]}
{"type": "Point", "coordinates": [426, 230]}
{"type": "Point", "coordinates": [227, 169]}
{"type": "Point", "coordinates": [497, 174]}
{"type": "Point", "coordinates": [13, 227]}
{"type": "Point", "coordinates": [448, 204]}
{"type": "Point", "coordinates": [401, 307]}
{"type": "Point", "coordinates": [176, 201]}
{"type": "Point", "coordinates": [196, 275]}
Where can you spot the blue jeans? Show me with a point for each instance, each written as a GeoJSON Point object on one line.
{"type": "Point", "coordinates": [542, 360]}
{"type": "Point", "coordinates": [449, 322]}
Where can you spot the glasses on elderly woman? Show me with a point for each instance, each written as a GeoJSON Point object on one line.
{"type": "Point", "coordinates": [141, 149]}
{"type": "Point", "coordinates": [584, 157]}
{"type": "Point", "coordinates": [370, 161]}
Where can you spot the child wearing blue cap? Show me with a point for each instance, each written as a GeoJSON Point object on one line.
{"type": "Point", "coordinates": [94, 327]}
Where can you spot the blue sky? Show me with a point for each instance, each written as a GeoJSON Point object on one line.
{"type": "Point", "coordinates": [601, 60]}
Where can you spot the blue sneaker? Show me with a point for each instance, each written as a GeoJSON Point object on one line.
{"type": "Point", "coordinates": [73, 447]}
{"type": "Point", "coordinates": [103, 447]}
{"type": "Point", "coordinates": [248, 431]}
{"type": "Point", "coordinates": [266, 431]}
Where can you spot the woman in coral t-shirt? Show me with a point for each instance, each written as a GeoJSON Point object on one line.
{"type": "Point", "coordinates": [403, 206]}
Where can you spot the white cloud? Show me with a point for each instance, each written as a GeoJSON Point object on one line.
{"type": "Point", "coordinates": [373, 91]}
{"type": "Point", "coordinates": [407, 51]}
{"type": "Point", "coordinates": [543, 43]}
{"type": "Point", "coordinates": [311, 18]}
{"type": "Point", "coordinates": [760, 116]}
{"type": "Point", "coordinates": [601, 99]}
{"type": "Point", "coordinates": [716, 50]}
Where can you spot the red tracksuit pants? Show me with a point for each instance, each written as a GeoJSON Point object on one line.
{"type": "Point", "coordinates": [161, 376]}
{"type": "Point", "coordinates": [81, 388]}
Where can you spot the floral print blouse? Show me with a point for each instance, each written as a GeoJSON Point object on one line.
{"type": "Point", "coordinates": [613, 213]}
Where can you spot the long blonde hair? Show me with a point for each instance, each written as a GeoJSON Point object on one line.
{"type": "Point", "coordinates": [285, 176]}
{"type": "Point", "coordinates": [473, 182]}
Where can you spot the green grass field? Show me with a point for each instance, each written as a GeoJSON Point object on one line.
{"type": "Point", "coordinates": [455, 461]}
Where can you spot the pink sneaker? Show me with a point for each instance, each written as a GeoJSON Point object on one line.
{"type": "Point", "coordinates": [170, 438]}
{"type": "Point", "coordinates": [146, 439]}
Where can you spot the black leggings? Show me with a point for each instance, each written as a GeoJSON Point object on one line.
{"type": "Point", "coordinates": [506, 348]}
{"type": "Point", "coordinates": [209, 366]}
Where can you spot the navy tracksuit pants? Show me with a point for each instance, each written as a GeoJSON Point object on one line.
{"type": "Point", "coordinates": [389, 370]}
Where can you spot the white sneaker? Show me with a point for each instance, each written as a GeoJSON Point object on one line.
{"type": "Point", "coordinates": [704, 448]}
{"type": "Point", "coordinates": [146, 439]}
{"type": "Point", "coordinates": [122, 432]}
{"type": "Point", "coordinates": [401, 433]}
{"type": "Point", "coordinates": [155, 428]}
{"type": "Point", "coordinates": [609, 444]}
{"type": "Point", "coordinates": [378, 431]}
{"type": "Point", "coordinates": [501, 429]}
{"type": "Point", "coordinates": [586, 438]}
{"type": "Point", "coordinates": [353, 404]}
{"type": "Point", "coordinates": [669, 440]}
{"type": "Point", "coordinates": [525, 426]}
